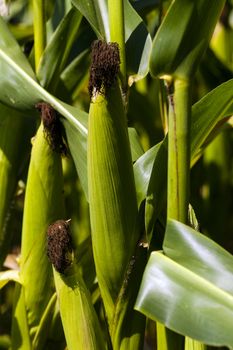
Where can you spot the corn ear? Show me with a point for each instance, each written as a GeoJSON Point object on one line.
{"type": "Point", "coordinates": [43, 205]}
{"type": "Point", "coordinates": [112, 195]}
{"type": "Point", "coordinates": [79, 319]}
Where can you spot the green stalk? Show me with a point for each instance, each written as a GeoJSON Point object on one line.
{"type": "Point", "coordinates": [117, 34]}
{"type": "Point", "coordinates": [179, 152]}
{"type": "Point", "coordinates": [191, 344]}
{"type": "Point", "coordinates": [39, 19]}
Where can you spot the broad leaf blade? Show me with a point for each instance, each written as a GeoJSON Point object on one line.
{"type": "Point", "coordinates": [139, 42]}
{"type": "Point", "coordinates": [193, 250]}
{"type": "Point", "coordinates": [97, 15]}
{"type": "Point", "coordinates": [182, 39]}
{"type": "Point", "coordinates": [177, 291]}
{"type": "Point", "coordinates": [57, 51]}
{"type": "Point", "coordinates": [207, 113]}
{"type": "Point", "coordinates": [185, 302]}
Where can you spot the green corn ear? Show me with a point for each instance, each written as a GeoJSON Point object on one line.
{"type": "Point", "coordinates": [112, 195]}
{"type": "Point", "coordinates": [79, 319]}
{"type": "Point", "coordinates": [43, 205]}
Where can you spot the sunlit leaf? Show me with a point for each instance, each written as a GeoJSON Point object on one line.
{"type": "Point", "coordinates": [181, 40]}
{"type": "Point", "coordinates": [192, 278]}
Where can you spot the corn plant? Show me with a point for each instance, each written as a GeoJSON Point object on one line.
{"type": "Point", "coordinates": [115, 174]}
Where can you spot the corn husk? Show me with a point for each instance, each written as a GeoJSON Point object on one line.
{"type": "Point", "coordinates": [43, 205]}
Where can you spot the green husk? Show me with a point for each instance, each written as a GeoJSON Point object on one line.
{"type": "Point", "coordinates": [79, 319]}
{"type": "Point", "coordinates": [114, 219]}
{"type": "Point", "coordinates": [112, 195]}
{"type": "Point", "coordinates": [43, 205]}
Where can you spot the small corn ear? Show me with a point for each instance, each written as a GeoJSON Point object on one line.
{"type": "Point", "coordinates": [79, 319]}
{"type": "Point", "coordinates": [43, 205]}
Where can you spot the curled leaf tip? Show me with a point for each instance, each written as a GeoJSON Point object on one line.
{"type": "Point", "coordinates": [104, 67]}
{"type": "Point", "coordinates": [52, 127]}
{"type": "Point", "coordinates": [59, 245]}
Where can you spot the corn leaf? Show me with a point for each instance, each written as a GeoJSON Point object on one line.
{"type": "Point", "coordinates": [177, 291]}
{"type": "Point", "coordinates": [208, 115]}
{"type": "Point", "coordinates": [96, 14]}
{"type": "Point", "coordinates": [137, 37]}
{"type": "Point", "coordinates": [57, 51]}
{"type": "Point", "coordinates": [73, 76]}
{"type": "Point", "coordinates": [181, 40]}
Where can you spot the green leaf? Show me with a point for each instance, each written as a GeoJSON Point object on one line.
{"type": "Point", "coordinates": [207, 114]}
{"type": "Point", "coordinates": [138, 41]}
{"type": "Point", "coordinates": [137, 37]}
{"type": "Point", "coordinates": [13, 63]}
{"type": "Point", "coordinates": [135, 144]}
{"type": "Point", "coordinates": [73, 76]}
{"type": "Point", "coordinates": [57, 51]}
{"type": "Point", "coordinates": [142, 171]}
{"type": "Point", "coordinates": [181, 40]}
{"type": "Point", "coordinates": [179, 244]}
{"type": "Point", "coordinates": [22, 91]}
{"type": "Point", "coordinates": [96, 12]}
{"type": "Point", "coordinates": [176, 290]}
